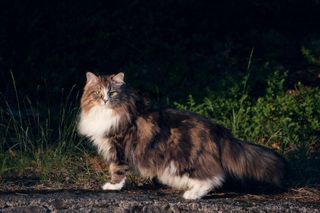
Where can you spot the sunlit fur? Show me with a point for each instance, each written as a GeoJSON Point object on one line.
{"type": "Point", "coordinates": [180, 149]}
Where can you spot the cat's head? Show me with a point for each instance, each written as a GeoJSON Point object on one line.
{"type": "Point", "coordinates": [103, 91]}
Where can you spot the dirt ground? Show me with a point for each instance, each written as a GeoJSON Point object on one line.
{"type": "Point", "coordinates": [17, 195]}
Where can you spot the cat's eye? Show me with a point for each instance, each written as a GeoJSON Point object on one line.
{"type": "Point", "coordinates": [112, 93]}
{"type": "Point", "coordinates": [98, 93]}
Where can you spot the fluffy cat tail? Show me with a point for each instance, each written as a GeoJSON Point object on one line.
{"type": "Point", "coordinates": [249, 161]}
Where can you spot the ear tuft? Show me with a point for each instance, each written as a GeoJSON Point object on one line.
{"type": "Point", "coordinates": [91, 78]}
{"type": "Point", "coordinates": [119, 78]}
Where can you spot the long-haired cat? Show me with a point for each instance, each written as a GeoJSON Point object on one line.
{"type": "Point", "coordinates": [180, 149]}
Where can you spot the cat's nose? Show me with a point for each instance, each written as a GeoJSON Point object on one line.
{"type": "Point", "coordinates": [105, 101]}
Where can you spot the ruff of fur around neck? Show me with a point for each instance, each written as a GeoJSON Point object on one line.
{"type": "Point", "coordinates": [98, 122]}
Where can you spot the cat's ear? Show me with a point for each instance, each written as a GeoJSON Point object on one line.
{"type": "Point", "coordinates": [91, 78]}
{"type": "Point", "coordinates": [118, 78]}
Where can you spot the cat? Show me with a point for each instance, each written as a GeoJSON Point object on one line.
{"type": "Point", "coordinates": [180, 149]}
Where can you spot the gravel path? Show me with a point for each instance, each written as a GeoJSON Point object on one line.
{"type": "Point", "coordinates": [145, 201]}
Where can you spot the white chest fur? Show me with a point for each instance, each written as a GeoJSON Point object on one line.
{"type": "Point", "coordinates": [97, 122]}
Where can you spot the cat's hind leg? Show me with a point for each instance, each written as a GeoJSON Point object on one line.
{"type": "Point", "coordinates": [118, 177]}
{"type": "Point", "coordinates": [199, 188]}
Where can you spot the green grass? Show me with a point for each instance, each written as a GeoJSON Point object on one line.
{"type": "Point", "coordinates": [42, 141]}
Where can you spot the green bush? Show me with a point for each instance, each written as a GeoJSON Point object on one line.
{"type": "Point", "coordinates": [287, 121]}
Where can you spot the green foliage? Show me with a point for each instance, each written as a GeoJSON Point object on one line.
{"type": "Point", "coordinates": [311, 52]}
{"type": "Point", "coordinates": [288, 121]}
{"type": "Point", "coordinates": [43, 140]}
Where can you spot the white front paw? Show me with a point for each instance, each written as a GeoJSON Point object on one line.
{"type": "Point", "coordinates": [191, 195]}
{"type": "Point", "coordinates": [116, 186]}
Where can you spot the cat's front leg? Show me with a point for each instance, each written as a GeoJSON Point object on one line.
{"type": "Point", "coordinates": [118, 177]}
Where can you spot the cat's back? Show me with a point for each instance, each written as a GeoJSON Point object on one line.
{"type": "Point", "coordinates": [192, 126]}
{"type": "Point", "coordinates": [175, 118]}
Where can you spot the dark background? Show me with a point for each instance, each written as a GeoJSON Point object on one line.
{"type": "Point", "coordinates": [167, 48]}
{"type": "Point", "coordinates": [230, 56]}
